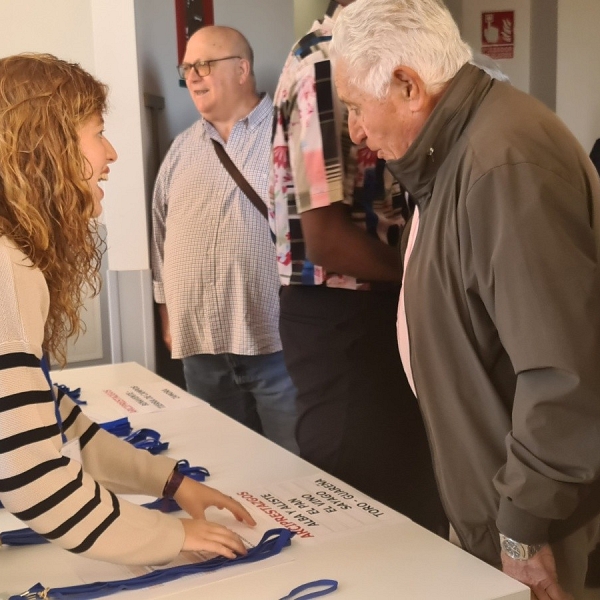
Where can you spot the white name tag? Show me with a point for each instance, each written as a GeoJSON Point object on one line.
{"type": "Point", "coordinates": [72, 450]}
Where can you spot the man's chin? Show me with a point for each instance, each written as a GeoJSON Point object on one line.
{"type": "Point", "coordinates": [203, 108]}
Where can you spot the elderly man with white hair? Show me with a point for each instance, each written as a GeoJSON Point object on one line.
{"type": "Point", "coordinates": [499, 315]}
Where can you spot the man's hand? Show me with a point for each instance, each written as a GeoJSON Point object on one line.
{"type": "Point", "coordinates": [539, 573]}
{"type": "Point", "coordinates": [165, 326]}
{"type": "Point", "coordinates": [336, 243]}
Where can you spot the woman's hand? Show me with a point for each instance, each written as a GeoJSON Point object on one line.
{"type": "Point", "coordinates": [200, 534]}
{"type": "Point", "coordinates": [195, 498]}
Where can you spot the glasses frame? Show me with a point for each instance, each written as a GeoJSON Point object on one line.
{"type": "Point", "coordinates": [184, 69]}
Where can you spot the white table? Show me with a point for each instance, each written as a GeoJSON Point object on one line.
{"type": "Point", "coordinates": [401, 561]}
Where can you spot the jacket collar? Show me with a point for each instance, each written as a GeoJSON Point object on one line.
{"type": "Point", "coordinates": [417, 169]}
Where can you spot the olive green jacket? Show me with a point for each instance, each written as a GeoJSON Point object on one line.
{"type": "Point", "coordinates": [502, 300]}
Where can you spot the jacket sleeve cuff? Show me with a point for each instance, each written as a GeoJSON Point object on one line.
{"type": "Point", "coordinates": [520, 525]}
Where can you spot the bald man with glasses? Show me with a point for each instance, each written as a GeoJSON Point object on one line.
{"type": "Point", "coordinates": [214, 269]}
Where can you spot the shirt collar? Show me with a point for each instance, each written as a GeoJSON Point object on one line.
{"type": "Point", "coordinates": [263, 110]}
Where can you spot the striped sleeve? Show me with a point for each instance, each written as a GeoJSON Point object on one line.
{"type": "Point", "coordinates": [112, 462]}
{"type": "Point", "coordinates": [52, 494]}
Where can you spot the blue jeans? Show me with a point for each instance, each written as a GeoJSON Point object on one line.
{"type": "Point", "coordinates": [254, 390]}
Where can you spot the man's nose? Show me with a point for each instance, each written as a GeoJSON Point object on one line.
{"type": "Point", "coordinates": [357, 134]}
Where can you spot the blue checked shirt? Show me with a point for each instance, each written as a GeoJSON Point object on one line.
{"type": "Point", "coordinates": [213, 260]}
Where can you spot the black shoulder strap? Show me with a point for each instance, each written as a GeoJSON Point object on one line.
{"type": "Point", "coordinates": [241, 181]}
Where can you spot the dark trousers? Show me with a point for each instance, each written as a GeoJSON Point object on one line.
{"type": "Point", "coordinates": [357, 416]}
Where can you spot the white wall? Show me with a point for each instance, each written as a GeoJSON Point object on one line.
{"type": "Point", "coordinates": [100, 35]}
{"type": "Point", "coordinates": [305, 13]}
{"type": "Point", "coordinates": [157, 56]}
{"type": "Point", "coordinates": [578, 76]}
{"type": "Point", "coordinates": [116, 63]}
{"type": "Point", "coordinates": [533, 67]}
{"type": "Point", "coordinates": [455, 7]}
{"type": "Point", "coordinates": [25, 27]}
{"type": "Point", "coordinates": [544, 43]}
{"type": "Point", "coordinates": [517, 68]}
{"type": "Point", "coordinates": [269, 27]}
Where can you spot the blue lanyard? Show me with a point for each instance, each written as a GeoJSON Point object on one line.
{"type": "Point", "coordinates": [97, 590]}
{"type": "Point", "coordinates": [272, 543]}
{"type": "Point", "coordinates": [75, 395]}
{"type": "Point", "coordinates": [119, 427]}
{"type": "Point", "coordinates": [327, 585]}
{"type": "Point", "coordinates": [46, 370]}
{"type": "Point", "coordinates": [147, 439]}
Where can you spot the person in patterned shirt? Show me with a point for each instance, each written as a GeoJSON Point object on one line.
{"type": "Point", "coordinates": [336, 218]}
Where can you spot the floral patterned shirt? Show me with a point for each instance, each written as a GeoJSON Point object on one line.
{"type": "Point", "coordinates": [314, 164]}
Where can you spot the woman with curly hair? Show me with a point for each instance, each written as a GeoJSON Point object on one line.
{"type": "Point", "coordinates": [53, 154]}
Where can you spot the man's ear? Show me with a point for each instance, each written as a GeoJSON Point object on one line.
{"type": "Point", "coordinates": [409, 87]}
{"type": "Point", "coordinates": [244, 66]}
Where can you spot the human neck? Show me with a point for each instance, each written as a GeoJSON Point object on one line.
{"type": "Point", "coordinates": [242, 110]}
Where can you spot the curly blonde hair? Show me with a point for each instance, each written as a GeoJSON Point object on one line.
{"type": "Point", "coordinates": [46, 204]}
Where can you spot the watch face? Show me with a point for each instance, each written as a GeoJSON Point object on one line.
{"type": "Point", "coordinates": [512, 548]}
{"type": "Point", "coordinates": [516, 550]}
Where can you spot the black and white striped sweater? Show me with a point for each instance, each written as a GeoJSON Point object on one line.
{"type": "Point", "coordinates": [72, 506]}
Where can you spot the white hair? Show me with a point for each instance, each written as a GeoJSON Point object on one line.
{"type": "Point", "coordinates": [373, 37]}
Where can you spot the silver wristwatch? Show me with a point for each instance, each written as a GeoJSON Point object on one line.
{"type": "Point", "coordinates": [517, 550]}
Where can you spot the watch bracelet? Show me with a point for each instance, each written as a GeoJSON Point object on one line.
{"type": "Point", "coordinates": [518, 550]}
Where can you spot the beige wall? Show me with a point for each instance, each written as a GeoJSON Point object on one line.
{"type": "Point", "coordinates": [578, 75]}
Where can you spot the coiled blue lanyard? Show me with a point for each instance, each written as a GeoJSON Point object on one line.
{"type": "Point", "coordinates": [321, 587]}
{"type": "Point", "coordinates": [272, 543]}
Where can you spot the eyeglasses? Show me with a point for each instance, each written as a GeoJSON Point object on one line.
{"type": "Point", "coordinates": [201, 67]}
